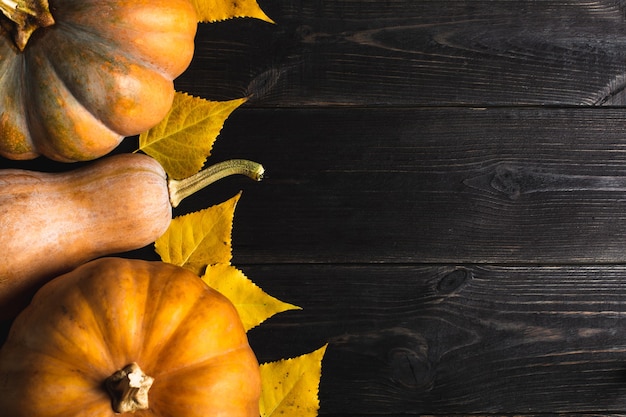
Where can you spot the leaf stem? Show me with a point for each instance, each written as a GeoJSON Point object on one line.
{"type": "Point", "coordinates": [180, 189]}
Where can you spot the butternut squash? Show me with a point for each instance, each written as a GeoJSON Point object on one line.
{"type": "Point", "coordinates": [53, 222]}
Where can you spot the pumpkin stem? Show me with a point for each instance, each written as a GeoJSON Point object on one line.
{"type": "Point", "coordinates": [180, 189]}
{"type": "Point", "coordinates": [26, 17]}
{"type": "Point", "coordinates": [128, 389]}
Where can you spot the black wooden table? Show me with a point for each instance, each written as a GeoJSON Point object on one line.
{"type": "Point", "coordinates": [445, 197]}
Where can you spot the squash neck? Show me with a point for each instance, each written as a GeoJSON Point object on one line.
{"type": "Point", "coordinates": [128, 389]}
{"type": "Point", "coordinates": [24, 17]}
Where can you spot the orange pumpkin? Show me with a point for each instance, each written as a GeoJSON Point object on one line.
{"type": "Point", "coordinates": [118, 335]}
{"type": "Point", "coordinates": [91, 73]}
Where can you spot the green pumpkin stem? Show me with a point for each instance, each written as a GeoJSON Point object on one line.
{"type": "Point", "coordinates": [180, 189]}
{"type": "Point", "coordinates": [128, 389]}
{"type": "Point", "coordinates": [25, 17]}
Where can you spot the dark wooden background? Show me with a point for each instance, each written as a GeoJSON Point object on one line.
{"type": "Point", "coordinates": [445, 198]}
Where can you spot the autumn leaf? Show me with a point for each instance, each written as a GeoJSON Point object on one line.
{"type": "Point", "coordinates": [214, 10]}
{"type": "Point", "coordinates": [253, 304]}
{"type": "Point", "coordinates": [198, 239]}
{"type": "Point", "coordinates": [183, 140]}
{"type": "Point", "coordinates": [290, 387]}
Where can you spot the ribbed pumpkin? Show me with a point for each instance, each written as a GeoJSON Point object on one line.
{"type": "Point", "coordinates": [91, 73]}
{"type": "Point", "coordinates": [118, 335]}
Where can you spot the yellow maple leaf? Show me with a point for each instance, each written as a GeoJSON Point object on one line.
{"type": "Point", "coordinates": [253, 304]}
{"type": "Point", "coordinates": [215, 10]}
{"type": "Point", "coordinates": [198, 239]}
{"type": "Point", "coordinates": [290, 387]}
{"type": "Point", "coordinates": [183, 140]}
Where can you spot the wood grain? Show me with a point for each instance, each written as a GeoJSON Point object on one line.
{"type": "Point", "coordinates": [439, 185]}
{"type": "Point", "coordinates": [407, 52]}
{"type": "Point", "coordinates": [367, 215]}
{"type": "Point", "coordinates": [410, 147]}
{"type": "Point", "coordinates": [454, 339]}
{"type": "Point", "coordinates": [445, 197]}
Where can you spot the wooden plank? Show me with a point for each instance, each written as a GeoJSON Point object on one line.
{"type": "Point", "coordinates": [439, 185]}
{"type": "Point", "coordinates": [454, 339]}
{"type": "Point", "coordinates": [416, 52]}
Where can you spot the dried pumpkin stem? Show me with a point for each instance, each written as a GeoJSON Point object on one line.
{"type": "Point", "coordinates": [128, 389]}
{"type": "Point", "coordinates": [180, 189]}
{"type": "Point", "coordinates": [26, 16]}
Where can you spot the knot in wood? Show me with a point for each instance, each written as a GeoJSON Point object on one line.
{"type": "Point", "coordinates": [454, 280]}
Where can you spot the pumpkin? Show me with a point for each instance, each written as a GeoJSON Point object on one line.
{"type": "Point", "coordinates": [80, 75]}
{"type": "Point", "coordinates": [120, 335]}
{"type": "Point", "coordinates": [53, 222]}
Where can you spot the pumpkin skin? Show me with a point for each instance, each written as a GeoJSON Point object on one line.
{"type": "Point", "coordinates": [102, 72]}
{"type": "Point", "coordinates": [85, 325]}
